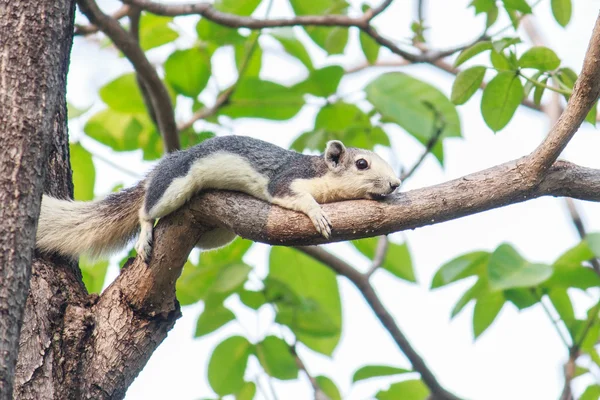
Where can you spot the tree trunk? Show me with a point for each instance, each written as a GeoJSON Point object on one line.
{"type": "Point", "coordinates": [36, 41]}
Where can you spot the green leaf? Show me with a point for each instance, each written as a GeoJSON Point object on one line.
{"type": "Point", "coordinates": [312, 281]}
{"type": "Point", "coordinates": [187, 71]}
{"type": "Point", "coordinates": [84, 173]}
{"type": "Point", "coordinates": [369, 47]}
{"type": "Point", "coordinates": [292, 45]}
{"type": "Point", "coordinates": [572, 277]}
{"type": "Point", "coordinates": [255, 98]}
{"type": "Point", "coordinates": [518, 5]}
{"type": "Point", "coordinates": [521, 298]}
{"type": "Point", "coordinates": [540, 58]}
{"type": "Point", "coordinates": [566, 76]}
{"type": "Point", "coordinates": [328, 387]}
{"type": "Point", "coordinates": [581, 252]}
{"type": "Point", "coordinates": [414, 105]}
{"type": "Point", "coordinates": [93, 274]}
{"type": "Point", "coordinates": [561, 10]}
{"type": "Point", "coordinates": [507, 269]}
{"type": "Point", "coordinates": [472, 51]}
{"type": "Point", "coordinates": [321, 82]}
{"type": "Point", "coordinates": [75, 112]}
{"type": "Point", "coordinates": [331, 39]}
{"type": "Point", "coordinates": [375, 371]}
{"type": "Point", "coordinates": [482, 6]}
{"type": "Point", "coordinates": [466, 84]}
{"type": "Point", "coordinates": [308, 318]}
{"type": "Point", "coordinates": [500, 61]}
{"type": "Point", "coordinates": [247, 392]}
{"type": "Point", "coordinates": [501, 44]}
{"type": "Point", "coordinates": [562, 303]}
{"type": "Point", "coordinates": [251, 299]}
{"type": "Point", "coordinates": [230, 277]}
{"type": "Point", "coordinates": [345, 122]}
{"type": "Point", "coordinates": [491, 17]}
{"type": "Point", "coordinates": [405, 390]}
{"type": "Point", "coordinates": [500, 100]}
{"type": "Point", "coordinates": [121, 132]}
{"type": "Point", "coordinates": [276, 358]}
{"type": "Point", "coordinates": [486, 310]}
{"type": "Point", "coordinates": [123, 94]}
{"type": "Point", "coordinates": [592, 392]}
{"type": "Point", "coordinates": [461, 267]}
{"type": "Point", "coordinates": [227, 365]}
{"type": "Point", "coordinates": [479, 288]}
{"type": "Point", "coordinates": [155, 31]}
{"type": "Point", "coordinates": [214, 316]}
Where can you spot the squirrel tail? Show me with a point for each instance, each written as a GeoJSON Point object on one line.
{"type": "Point", "coordinates": [96, 228]}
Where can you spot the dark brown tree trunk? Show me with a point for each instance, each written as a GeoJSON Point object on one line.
{"type": "Point", "coordinates": [35, 41]}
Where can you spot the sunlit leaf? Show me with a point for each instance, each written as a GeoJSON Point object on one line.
{"type": "Point", "coordinates": [486, 310]}
{"type": "Point", "coordinates": [467, 82]}
{"type": "Point", "coordinates": [276, 358]}
{"type": "Point", "coordinates": [84, 172]}
{"type": "Point", "coordinates": [123, 94]}
{"type": "Point", "coordinates": [292, 45]}
{"type": "Point", "coordinates": [375, 371]}
{"type": "Point", "coordinates": [328, 387]}
{"type": "Point", "coordinates": [540, 58]}
{"type": "Point", "coordinates": [461, 267]}
{"type": "Point", "coordinates": [227, 365]}
{"type": "Point", "coordinates": [188, 71]}
{"type": "Point", "coordinates": [214, 316]}
{"type": "Point", "coordinates": [507, 269]}
{"type": "Point", "coordinates": [155, 31]}
{"type": "Point", "coordinates": [416, 106]}
{"type": "Point", "coordinates": [314, 283]}
{"type": "Point", "coordinates": [561, 10]}
{"type": "Point", "coordinates": [501, 98]}
{"type": "Point", "coordinates": [405, 390]}
{"type": "Point", "coordinates": [472, 51]}
{"type": "Point", "coordinates": [93, 273]}
{"type": "Point", "coordinates": [369, 47]}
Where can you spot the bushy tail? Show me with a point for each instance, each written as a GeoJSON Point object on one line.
{"type": "Point", "coordinates": [95, 228]}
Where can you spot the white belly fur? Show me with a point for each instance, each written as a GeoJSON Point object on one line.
{"type": "Point", "coordinates": [217, 171]}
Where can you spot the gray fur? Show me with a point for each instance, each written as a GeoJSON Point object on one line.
{"type": "Point", "coordinates": [266, 158]}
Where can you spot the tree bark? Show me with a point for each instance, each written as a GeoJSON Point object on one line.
{"type": "Point", "coordinates": [33, 65]}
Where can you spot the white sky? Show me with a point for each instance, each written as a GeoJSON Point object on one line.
{"type": "Point", "coordinates": [520, 356]}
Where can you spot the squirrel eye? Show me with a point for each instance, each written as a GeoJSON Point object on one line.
{"type": "Point", "coordinates": [362, 164]}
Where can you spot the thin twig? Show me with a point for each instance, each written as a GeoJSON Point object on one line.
{"type": "Point", "coordinates": [161, 100]}
{"type": "Point", "coordinates": [362, 284]}
{"type": "Point", "coordinates": [235, 21]}
{"type": "Point", "coordinates": [380, 253]}
{"type": "Point", "coordinates": [439, 126]}
{"type": "Point", "coordinates": [313, 382]}
{"type": "Point", "coordinates": [420, 11]}
{"type": "Point", "coordinates": [84, 30]}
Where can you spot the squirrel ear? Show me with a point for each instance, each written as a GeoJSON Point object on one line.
{"type": "Point", "coordinates": [334, 153]}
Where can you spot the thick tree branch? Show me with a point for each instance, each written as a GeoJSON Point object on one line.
{"type": "Point", "coordinates": [585, 94]}
{"type": "Point", "coordinates": [161, 101]}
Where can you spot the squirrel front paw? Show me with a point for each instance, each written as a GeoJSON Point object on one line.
{"type": "Point", "coordinates": [321, 222]}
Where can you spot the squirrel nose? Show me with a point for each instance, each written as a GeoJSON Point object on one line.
{"type": "Point", "coordinates": [395, 185]}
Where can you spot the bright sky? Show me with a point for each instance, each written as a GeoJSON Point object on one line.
{"type": "Point", "coordinates": [520, 356]}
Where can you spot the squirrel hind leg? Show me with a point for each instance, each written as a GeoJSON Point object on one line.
{"type": "Point", "coordinates": [144, 243]}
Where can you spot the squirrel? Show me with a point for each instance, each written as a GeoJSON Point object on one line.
{"type": "Point", "coordinates": [286, 178]}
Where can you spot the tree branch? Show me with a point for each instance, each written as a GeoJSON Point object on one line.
{"type": "Point", "coordinates": [161, 101]}
{"type": "Point", "coordinates": [585, 94]}
{"type": "Point", "coordinates": [364, 287]}
{"type": "Point", "coordinates": [84, 30]}
{"type": "Point", "coordinates": [207, 11]}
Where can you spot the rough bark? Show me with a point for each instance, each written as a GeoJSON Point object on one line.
{"type": "Point", "coordinates": [32, 73]}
